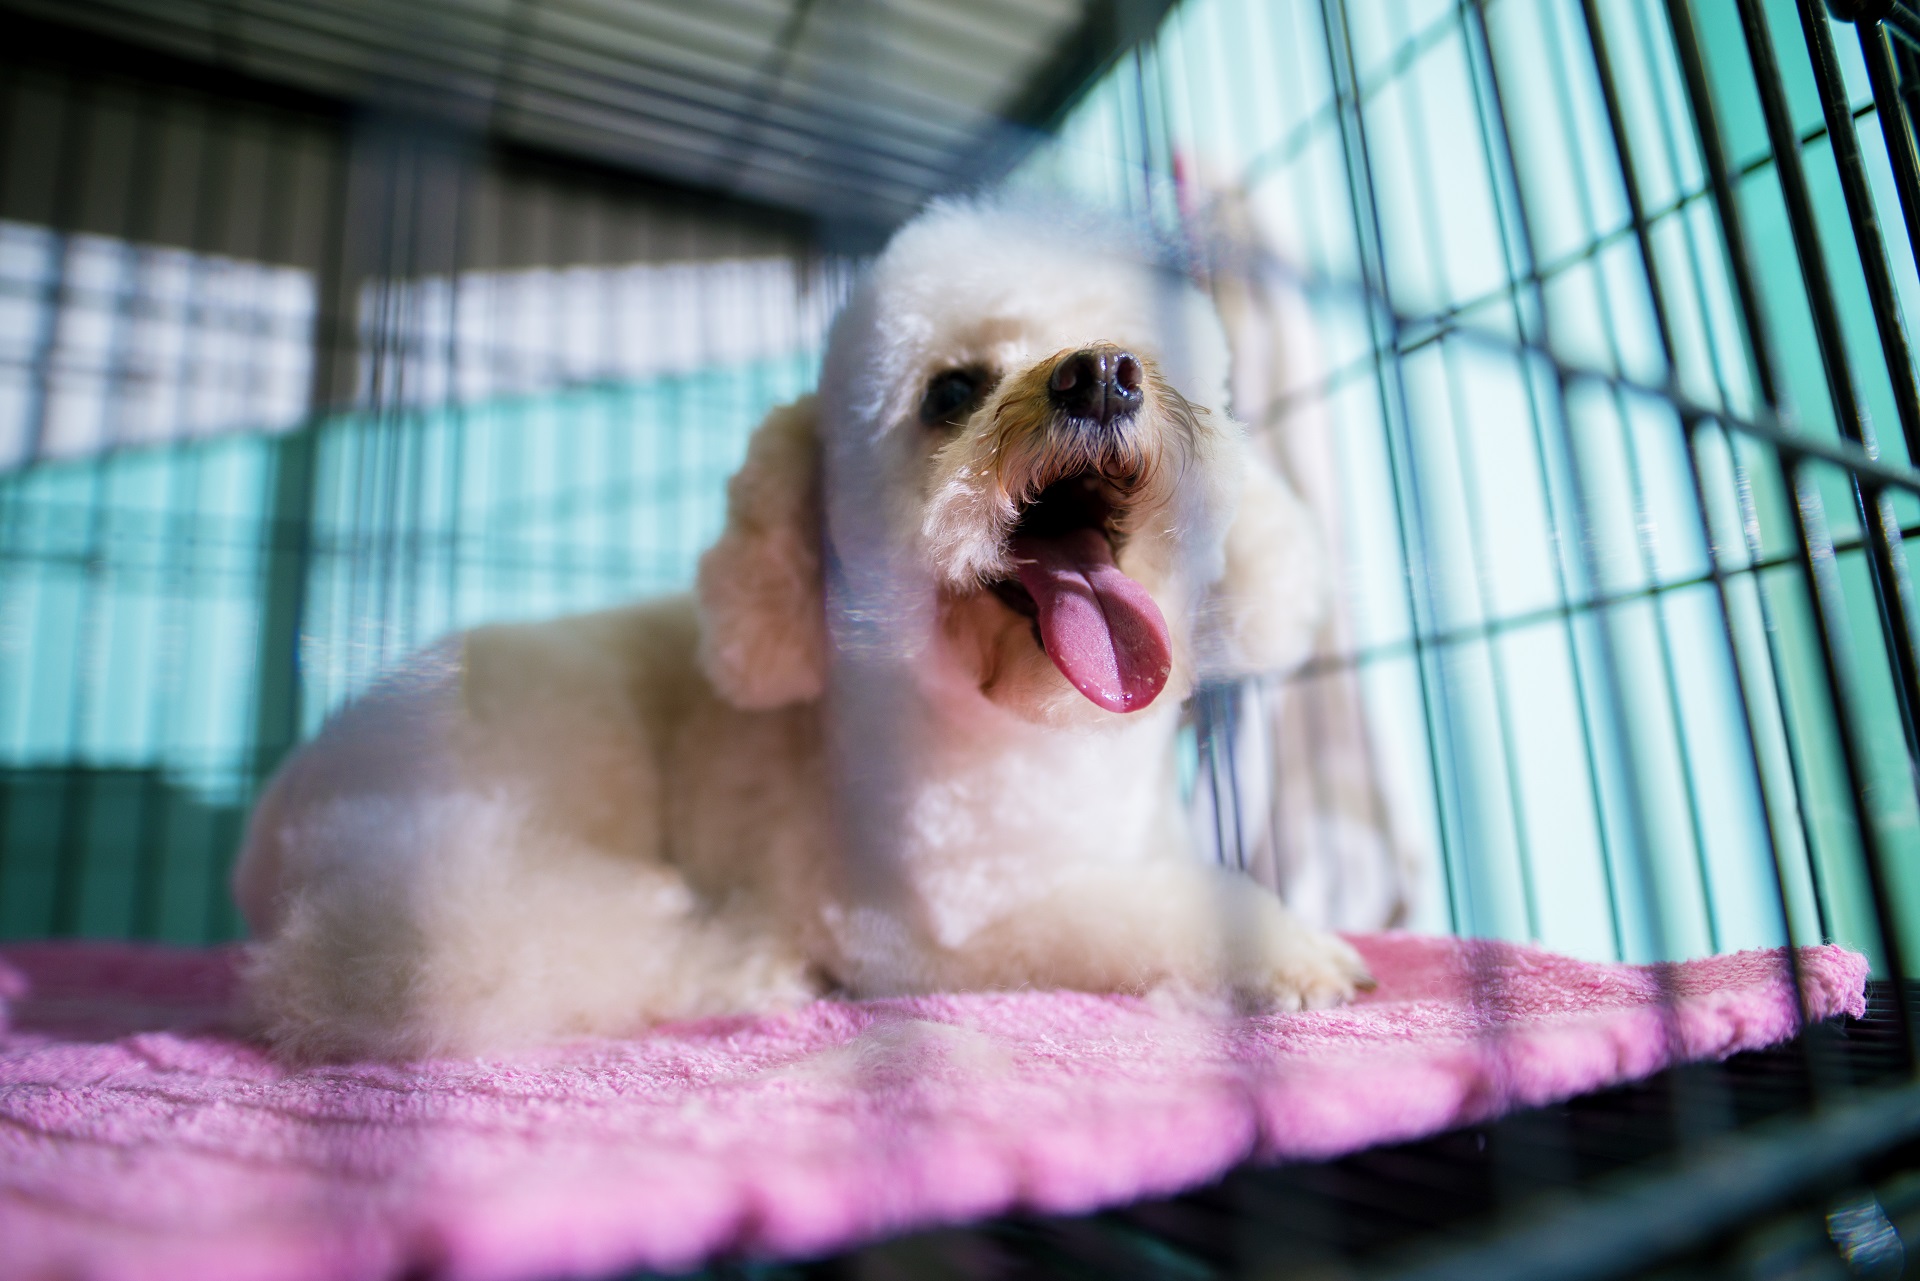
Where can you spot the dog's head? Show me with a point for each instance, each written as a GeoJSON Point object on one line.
{"type": "Point", "coordinates": [1031, 486]}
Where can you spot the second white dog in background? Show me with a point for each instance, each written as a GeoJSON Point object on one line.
{"type": "Point", "coordinates": [915, 731]}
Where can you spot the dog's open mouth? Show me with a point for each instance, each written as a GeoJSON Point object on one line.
{"type": "Point", "coordinates": [1100, 628]}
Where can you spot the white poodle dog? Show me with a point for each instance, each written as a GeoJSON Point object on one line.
{"type": "Point", "coordinates": [914, 731]}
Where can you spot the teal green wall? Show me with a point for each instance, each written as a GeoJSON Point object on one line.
{"type": "Point", "coordinates": [132, 586]}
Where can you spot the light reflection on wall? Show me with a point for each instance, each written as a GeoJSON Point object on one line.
{"type": "Point", "coordinates": [105, 344]}
{"type": "Point", "coordinates": [496, 333]}
{"type": "Point", "coordinates": [525, 443]}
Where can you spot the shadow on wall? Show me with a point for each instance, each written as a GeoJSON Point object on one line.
{"type": "Point", "coordinates": [114, 853]}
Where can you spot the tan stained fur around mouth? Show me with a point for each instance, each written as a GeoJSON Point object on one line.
{"type": "Point", "coordinates": [1020, 452]}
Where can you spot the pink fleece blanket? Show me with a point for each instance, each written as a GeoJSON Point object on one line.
{"type": "Point", "coordinates": [139, 1141]}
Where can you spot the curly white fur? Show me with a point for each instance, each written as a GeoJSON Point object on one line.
{"type": "Point", "coordinates": [846, 762]}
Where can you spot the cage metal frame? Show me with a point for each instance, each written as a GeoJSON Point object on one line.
{"type": "Point", "coordinates": [1726, 1176]}
{"type": "Point", "coordinates": [1752, 1172]}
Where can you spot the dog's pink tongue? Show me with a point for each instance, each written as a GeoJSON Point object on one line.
{"type": "Point", "coordinates": [1101, 629]}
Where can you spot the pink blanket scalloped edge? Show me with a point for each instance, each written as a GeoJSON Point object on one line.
{"type": "Point", "coordinates": [140, 1141]}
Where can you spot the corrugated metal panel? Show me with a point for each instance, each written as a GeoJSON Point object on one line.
{"type": "Point", "coordinates": [856, 109]}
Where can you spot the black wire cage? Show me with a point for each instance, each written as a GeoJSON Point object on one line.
{"type": "Point", "coordinates": [1581, 323]}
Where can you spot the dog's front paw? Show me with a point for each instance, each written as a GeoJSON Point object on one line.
{"type": "Point", "coordinates": [1304, 969]}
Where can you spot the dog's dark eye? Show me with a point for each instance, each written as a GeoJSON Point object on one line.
{"type": "Point", "coordinates": [948, 394]}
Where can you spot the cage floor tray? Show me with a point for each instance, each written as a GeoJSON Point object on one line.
{"type": "Point", "coordinates": [142, 1140]}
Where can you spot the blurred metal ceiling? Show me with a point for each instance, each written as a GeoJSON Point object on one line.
{"type": "Point", "coordinates": [855, 110]}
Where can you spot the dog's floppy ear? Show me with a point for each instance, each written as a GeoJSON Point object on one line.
{"type": "Point", "coordinates": [1263, 611]}
{"type": "Point", "coordinates": [763, 629]}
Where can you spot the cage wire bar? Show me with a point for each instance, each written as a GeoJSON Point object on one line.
{"type": "Point", "coordinates": [1780, 500]}
{"type": "Point", "coordinates": [1747, 194]}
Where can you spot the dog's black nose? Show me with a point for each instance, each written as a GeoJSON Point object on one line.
{"type": "Point", "coordinates": [1101, 383]}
